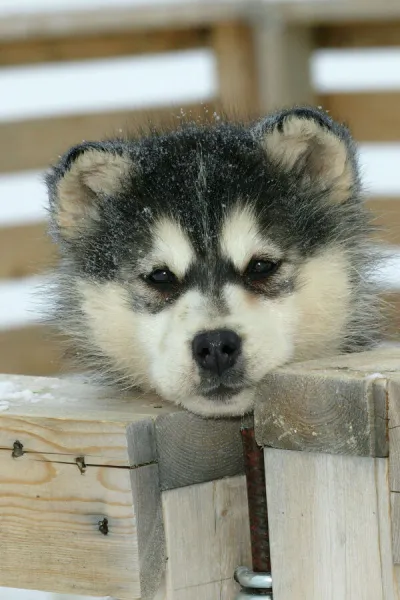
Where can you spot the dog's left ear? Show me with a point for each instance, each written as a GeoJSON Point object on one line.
{"type": "Point", "coordinates": [308, 142]}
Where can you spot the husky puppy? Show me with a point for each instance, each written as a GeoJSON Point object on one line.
{"type": "Point", "coordinates": [197, 260]}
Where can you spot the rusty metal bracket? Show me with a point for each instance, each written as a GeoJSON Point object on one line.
{"type": "Point", "coordinates": [256, 583]}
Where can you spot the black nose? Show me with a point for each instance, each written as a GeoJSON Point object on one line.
{"type": "Point", "coordinates": [217, 350]}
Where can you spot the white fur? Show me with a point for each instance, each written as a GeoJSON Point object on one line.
{"type": "Point", "coordinates": [172, 248]}
{"type": "Point", "coordinates": [241, 239]}
{"type": "Point", "coordinates": [154, 350]}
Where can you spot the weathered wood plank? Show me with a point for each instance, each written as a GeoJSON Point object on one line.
{"type": "Point", "coordinates": [32, 350]}
{"type": "Point", "coordinates": [329, 522]}
{"type": "Point", "coordinates": [50, 516]}
{"type": "Point", "coordinates": [43, 23]}
{"type": "Point", "coordinates": [386, 218]}
{"type": "Point", "coordinates": [371, 116]}
{"type": "Point", "coordinates": [19, 151]}
{"type": "Point", "coordinates": [105, 45]}
{"type": "Point", "coordinates": [207, 537]}
{"type": "Point", "coordinates": [336, 405]}
{"type": "Point", "coordinates": [393, 394]}
{"type": "Point", "coordinates": [358, 35]}
{"type": "Point", "coordinates": [185, 458]}
{"type": "Point", "coordinates": [25, 250]}
{"type": "Point", "coordinates": [233, 44]}
{"type": "Point", "coordinates": [59, 416]}
{"type": "Point", "coordinates": [283, 57]}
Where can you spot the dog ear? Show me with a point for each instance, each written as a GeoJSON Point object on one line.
{"type": "Point", "coordinates": [309, 143]}
{"type": "Point", "coordinates": [86, 176]}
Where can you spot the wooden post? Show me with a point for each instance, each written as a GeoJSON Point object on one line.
{"type": "Point", "coordinates": [283, 52]}
{"type": "Point", "coordinates": [82, 476]}
{"type": "Point", "coordinates": [332, 507]}
{"type": "Point", "coordinates": [233, 44]}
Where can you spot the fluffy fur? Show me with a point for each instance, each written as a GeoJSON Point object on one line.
{"type": "Point", "coordinates": [200, 205]}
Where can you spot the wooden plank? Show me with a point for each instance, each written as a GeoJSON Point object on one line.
{"type": "Point", "coordinates": [105, 45]}
{"type": "Point", "coordinates": [358, 35]}
{"type": "Point", "coordinates": [207, 537]}
{"type": "Point", "coordinates": [329, 523]}
{"type": "Point", "coordinates": [66, 502]}
{"type": "Point", "coordinates": [391, 311]}
{"type": "Point", "coordinates": [393, 395]}
{"type": "Point", "coordinates": [188, 449]}
{"type": "Point", "coordinates": [371, 116]}
{"type": "Point", "coordinates": [50, 515]}
{"type": "Point", "coordinates": [184, 458]}
{"type": "Point", "coordinates": [58, 421]}
{"type": "Point", "coordinates": [283, 58]}
{"type": "Point", "coordinates": [238, 87]}
{"type": "Point", "coordinates": [32, 350]}
{"type": "Point", "coordinates": [19, 149]}
{"type": "Point", "coordinates": [180, 13]}
{"type": "Point", "coordinates": [26, 250]}
{"type": "Point", "coordinates": [335, 405]}
{"type": "Point", "coordinates": [386, 218]}
{"type": "Point", "coordinates": [319, 12]}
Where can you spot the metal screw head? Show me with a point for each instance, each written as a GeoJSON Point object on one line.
{"type": "Point", "coordinates": [18, 449]}
{"type": "Point", "coordinates": [103, 526]}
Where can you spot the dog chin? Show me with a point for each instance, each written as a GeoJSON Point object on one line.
{"type": "Point", "coordinates": [236, 405]}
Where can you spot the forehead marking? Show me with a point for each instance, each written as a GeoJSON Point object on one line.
{"type": "Point", "coordinates": [241, 239]}
{"type": "Point", "coordinates": [171, 247]}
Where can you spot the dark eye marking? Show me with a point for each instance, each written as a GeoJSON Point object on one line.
{"type": "Point", "coordinates": [162, 279]}
{"type": "Point", "coordinates": [259, 269]}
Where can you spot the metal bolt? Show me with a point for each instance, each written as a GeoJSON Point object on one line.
{"type": "Point", "coordinates": [250, 579]}
{"type": "Point", "coordinates": [18, 449]}
{"type": "Point", "coordinates": [103, 526]}
{"type": "Point", "coordinates": [80, 461]}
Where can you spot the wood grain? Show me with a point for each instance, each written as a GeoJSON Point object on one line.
{"type": "Point", "coordinates": [20, 151]}
{"type": "Point", "coordinates": [336, 405]}
{"type": "Point", "coordinates": [50, 515]}
{"type": "Point", "coordinates": [393, 395]}
{"type": "Point", "coordinates": [207, 537]}
{"type": "Point", "coordinates": [371, 116]}
{"type": "Point", "coordinates": [329, 527]}
{"type": "Point", "coordinates": [105, 45]}
{"type": "Point", "coordinates": [183, 456]}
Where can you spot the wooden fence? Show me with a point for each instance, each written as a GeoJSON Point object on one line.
{"type": "Point", "coordinates": [262, 53]}
{"type": "Point", "coordinates": [123, 497]}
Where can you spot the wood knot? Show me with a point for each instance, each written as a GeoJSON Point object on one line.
{"type": "Point", "coordinates": [103, 526]}
{"type": "Point", "coordinates": [18, 449]}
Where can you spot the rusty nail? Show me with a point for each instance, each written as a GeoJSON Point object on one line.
{"type": "Point", "coordinates": [18, 449]}
{"type": "Point", "coordinates": [103, 526]}
{"type": "Point", "coordinates": [80, 461]}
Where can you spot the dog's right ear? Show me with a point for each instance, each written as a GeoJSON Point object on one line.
{"type": "Point", "coordinates": [86, 176]}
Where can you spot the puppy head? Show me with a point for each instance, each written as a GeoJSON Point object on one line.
{"type": "Point", "coordinates": [197, 261]}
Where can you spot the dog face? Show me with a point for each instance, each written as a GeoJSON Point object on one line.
{"type": "Point", "coordinates": [197, 261]}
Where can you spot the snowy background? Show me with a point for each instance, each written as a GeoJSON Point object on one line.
{"type": "Point", "coordinates": [150, 81]}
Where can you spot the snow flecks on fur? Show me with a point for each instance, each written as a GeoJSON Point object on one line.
{"type": "Point", "coordinates": [202, 201]}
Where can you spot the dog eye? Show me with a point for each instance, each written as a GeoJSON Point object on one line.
{"type": "Point", "coordinates": [161, 276]}
{"type": "Point", "coordinates": [259, 268]}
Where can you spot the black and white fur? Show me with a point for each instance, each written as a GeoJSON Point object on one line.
{"type": "Point", "coordinates": [195, 261]}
